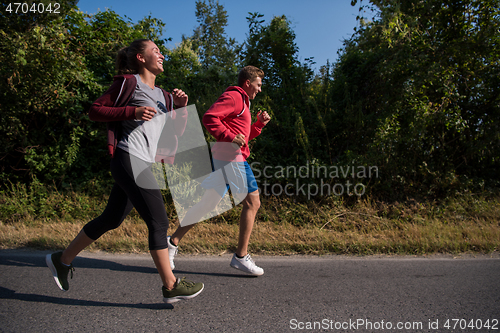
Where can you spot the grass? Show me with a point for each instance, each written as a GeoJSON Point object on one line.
{"type": "Point", "coordinates": [44, 218]}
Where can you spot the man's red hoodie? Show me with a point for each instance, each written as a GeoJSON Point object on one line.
{"type": "Point", "coordinates": [227, 117]}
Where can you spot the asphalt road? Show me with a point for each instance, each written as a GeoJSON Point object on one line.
{"type": "Point", "coordinates": [122, 293]}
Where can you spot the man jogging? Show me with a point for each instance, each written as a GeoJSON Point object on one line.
{"type": "Point", "coordinates": [230, 122]}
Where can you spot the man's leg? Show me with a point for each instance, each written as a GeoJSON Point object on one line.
{"type": "Point", "coordinates": [251, 205]}
{"type": "Point", "coordinates": [207, 203]}
{"type": "Point", "coordinates": [241, 259]}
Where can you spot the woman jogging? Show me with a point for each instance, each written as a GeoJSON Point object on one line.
{"type": "Point", "coordinates": [130, 107]}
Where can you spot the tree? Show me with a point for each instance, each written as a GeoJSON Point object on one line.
{"type": "Point", "coordinates": [285, 92]}
{"type": "Point", "coordinates": [206, 63]}
{"type": "Point", "coordinates": [19, 17]}
{"type": "Point", "coordinates": [209, 39]}
{"type": "Point", "coordinates": [417, 89]}
{"type": "Point", "coordinates": [52, 70]}
{"type": "Point", "coordinates": [181, 64]}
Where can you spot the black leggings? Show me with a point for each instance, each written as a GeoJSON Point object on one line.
{"type": "Point", "coordinates": [125, 195]}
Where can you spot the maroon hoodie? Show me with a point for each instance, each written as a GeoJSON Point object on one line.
{"type": "Point", "coordinates": [112, 108]}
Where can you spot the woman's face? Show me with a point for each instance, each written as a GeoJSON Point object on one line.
{"type": "Point", "coordinates": [151, 58]}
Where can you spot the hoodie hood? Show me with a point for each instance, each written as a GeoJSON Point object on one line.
{"type": "Point", "coordinates": [242, 92]}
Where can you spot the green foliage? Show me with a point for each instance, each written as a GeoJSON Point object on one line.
{"type": "Point", "coordinates": [209, 39]}
{"type": "Point", "coordinates": [416, 93]}
{"type": "Point", "coordinates": [38, 201]}
{"type": "Point", "coordinates": [204, 64]}
{"type": "Point", "coordinates": [284, 94]}
{"type": "Point", "coordinates": [180, 65]}
{"type": "Point", "coordinates": [57, 66]}
{"type": "Point", "coordinates": [43, 98]}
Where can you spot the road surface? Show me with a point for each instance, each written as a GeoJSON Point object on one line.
{"type": "Point", "coordinates": [122, 293]}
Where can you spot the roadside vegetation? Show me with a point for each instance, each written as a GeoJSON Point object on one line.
{"type": "Point", "coordinates": [38, 218]}
{"type": "Point", "coordinates": [406, 121]}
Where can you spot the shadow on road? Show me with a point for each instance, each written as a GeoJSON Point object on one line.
{"type": "Point", "coordinates": [6, 293]}
{"type": "Point", "coordinates": [216, 274]}
{"type": "Point", "coordinates": [81, 262]}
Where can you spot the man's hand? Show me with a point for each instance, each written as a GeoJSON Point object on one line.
{"type": "Point", "coordinates": [180, 97]}
{"type": "Point", "coordinates": [239, 139]}
{"type": "Point", "coordinates": [264, 117]}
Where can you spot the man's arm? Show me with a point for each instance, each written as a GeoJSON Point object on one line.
{"type": "Point", "coordinates": [212, 119]}
{"type": "Point", "coordinates": [262, 119]}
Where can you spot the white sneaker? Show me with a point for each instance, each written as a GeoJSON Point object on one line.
{"type": "Point", "coordinates": [246, 264]}
{"type": "Point", "coordinates": [172, 251]}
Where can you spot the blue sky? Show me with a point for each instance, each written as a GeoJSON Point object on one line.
{"type": "Point", "coordinates": [319, 25]}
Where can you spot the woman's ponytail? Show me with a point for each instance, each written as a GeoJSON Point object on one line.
{"type": "Point", "coordinates": [126, 58]}
{"type": "Point", "coordinates": [121, 61]}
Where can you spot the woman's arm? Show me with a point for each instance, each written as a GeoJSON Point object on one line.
{"type": "Point", "coordinates": [104, 109]}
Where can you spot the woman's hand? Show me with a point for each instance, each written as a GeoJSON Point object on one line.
{"type": "Point", "coordinates": [145, 113]}
{"type": "Point", "coordinates": [180, 98]}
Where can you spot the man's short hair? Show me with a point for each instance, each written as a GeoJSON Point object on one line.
{"type": "Point", "coordinates": [249, 73]}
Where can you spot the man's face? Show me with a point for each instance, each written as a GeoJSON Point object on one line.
{"type": "Point", "coordinates": [253, 88]}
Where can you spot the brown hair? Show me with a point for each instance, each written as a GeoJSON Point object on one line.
{"type": "Point", "coordinates": [249, 73]}
{"type": "Point", "coordinates": [126, 59]}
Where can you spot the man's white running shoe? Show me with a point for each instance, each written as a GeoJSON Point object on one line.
{"type": "Point", "coordinates": [246, 264]}
{"type": "Point", "coordinates": [172, 251]}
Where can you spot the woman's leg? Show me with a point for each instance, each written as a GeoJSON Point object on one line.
{"type": "Point", "coordinates": [80, 242]}
{"type": "Point", "coordinates": [148, 201]}
{"type": "Point", "coordinates": [162, 263]}
{"type": "Point", "coordinates": [117, 209]}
